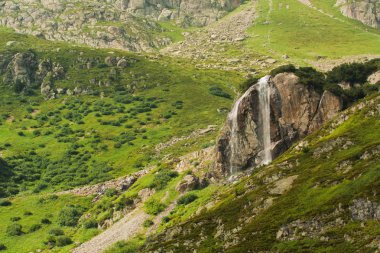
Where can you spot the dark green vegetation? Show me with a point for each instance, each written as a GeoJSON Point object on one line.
{"type": "Point", "coordinates": [69, 141]}
{"type": "Point", "coordinates": [354, 75]}
{"type": "Point", "coordinates": [338, 167]}
{"type": "Point", "coordinates": [109, 128]}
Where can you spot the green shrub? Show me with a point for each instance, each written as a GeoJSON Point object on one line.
{"type": "Point", "coordinates": [14, 229]}
{"type": "Point", "coordinates": [63, 241]}
{"type": "Point", "coordinates": [310, 77]}
{"type": "Point", "coordinates": [187, 199]}
{"type": "Point", "coordinates": [15, 219]}
{"type": "Point", "coordinates": [111, 192]}
{"type": "Point", "coordinates": [334, 88]}
{"type": "Point", "coordinates": [352, 72]}
{"type": "Point", "coordinates": [216, 91]}
{"type": "Point", "coordinates": [34, 227]}
{"type": "Point", "coordinates": [126, 247]}
{"type": "Point", "coordinates": [283, 69]}
{"type": "Point", "coordinates": [248, 83]}
{"type": "Point", "coordinates": [165, 219]}
{"type": "Point", "coordinates": [162, 178]}
{"type": "Point", "coordinates": [148, 223]}
{"type": "Point", "coordinates": [56, 232]}
{"type": "Point", "coordinates": [2, 247]}
{"type": "Point", "coordinates": [154, 207]}
{"type": "Point", "coordinates": [5, 203]}
{"type": "Point", "coordinates": [69, 216]}
{"type": "Point", "coordinates": [28, 213]}
{"type": "Point", "coordinates": [45, 221]}
{"type": "Point", "coordinates": [90, 223]}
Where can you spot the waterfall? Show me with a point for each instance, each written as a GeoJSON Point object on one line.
{"type": "Point", "coordinates": [264, 103]}
{"type": "Point", "coordinates": [234, 128]}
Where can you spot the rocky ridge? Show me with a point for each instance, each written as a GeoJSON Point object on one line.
{"type": "Point", "coordinates": [121, 24]}
{"type": "Point", "coordinates": [366, 11]}
{"type": "Point", "coordinates": [296, 110]}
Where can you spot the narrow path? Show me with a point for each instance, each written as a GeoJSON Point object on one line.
{"type": "Point", "coordinates": [123, 230]}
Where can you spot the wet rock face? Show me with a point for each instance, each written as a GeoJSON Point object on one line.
{"type": "Point", "coordinates": [366, 11]}
{"type": "Point", "coordinates": [122, 24]}
{"type": "Point", "coordinates": [295, 111]}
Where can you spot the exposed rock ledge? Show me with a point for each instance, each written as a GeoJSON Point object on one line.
{"type": "Point", "coordinates": [366, 11]}
{"type": "Point", "coordinates": [295, 111]}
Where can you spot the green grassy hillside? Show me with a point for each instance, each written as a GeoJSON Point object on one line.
{"type": "Point", "coordinates": [320, 196]}
{"type": "Point", "coordinates": [305, 34]}
{"type": "Point", "coordinates": [51, 145]}
{"type": "Point", "coordinates": [291, 28]}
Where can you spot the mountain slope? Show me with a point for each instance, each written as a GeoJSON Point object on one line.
{"type": "Point", "coordinates": [320, 195]}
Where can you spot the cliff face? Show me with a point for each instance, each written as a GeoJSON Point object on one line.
{"type": "Point", "coordinates": [295, 111]}
{"type": "Point", "coordinates": [123, 24]}
{"type": "Point", "coordinates": [366, 11]}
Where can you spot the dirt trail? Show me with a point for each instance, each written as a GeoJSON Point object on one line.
{"type": "Point", "coordinates": [126, 228]}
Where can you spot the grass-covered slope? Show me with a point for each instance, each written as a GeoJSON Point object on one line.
{"type": "Point", "coordinates": [303, 33]}
{"type": "Point", "coordinates": [320, 196]}
{"type": "Point", "coordinates": [111, 130]}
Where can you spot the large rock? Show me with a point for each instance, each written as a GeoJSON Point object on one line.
{"type": "Point", "coordinates": [188, 183]}
{"type": "Point", "coordinates": [20, 72]}
{"type": "Point", "coordinates": [296, 110]}
{"type": "Point", "coordinates": [366, 11]}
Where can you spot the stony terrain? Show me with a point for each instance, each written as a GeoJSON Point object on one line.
{"type": "Point", "coordinates": [204, 47]}
{"type": "Point", "coordinates": [366, 11]}
{"type": "Point", "coordinates": [122, 24]}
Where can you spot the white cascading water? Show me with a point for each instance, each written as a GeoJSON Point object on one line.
{"type": "Point", "coordinates": [264, 98]}
{"type": "Point", "coordinates": [264, 101]}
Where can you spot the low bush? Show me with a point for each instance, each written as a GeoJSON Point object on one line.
{"type": "Point", "coordinates": [148, 223]}
{"type": "Point", "coordinates": [14, 229]}
{"type": "Point", "coordinates": [2, 247]}
{"type": "Point", "coordinates": [63, 241]}
{"type": "Point", "coordinates": [216, 91]}
{"type": "Point", "coordinates": [154, 207]}
{"type": "Point", "coordinates": [290, 68]}
{"type": "Point", "coordinates": [5, 203]}
{"type": "Point", "coordinates": [165, 219]}
{"type": "Point", "coordinates": [187, 199]}
{"type": "Point", "coordinates": [162, 178]}
{"type": "Point", "coordinates": [311, 77]}
{"type": "Point", "coordinates": [90, 223]}
{"type": "Point", "coordinates": [15, 219]}
{"type": "Point", "coordinates": [248, 83]}
{"type": "Point", "coordinates": [45, 221]}
{"type": "Point", "coordinates": [34, 227]}
{"type": "Point", "coordinates": [56, 232]}
{"type": "Point", "coordinates": [352, 72]}
{"type": "Point", "coordinates": [69, 216]}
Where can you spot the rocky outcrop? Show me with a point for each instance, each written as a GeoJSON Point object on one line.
{"type": "Point", "coordinates": [374, 78]}
{"type": "Point", "coordinates": [188, 183]}
{"type": "Point", "coordinates": [296, 110]}
{"type": "Point", "coordinates": [24, 71]}
{"type": "Point", "coordinates": [20, 71]}
{"type": "Point", "coordinates": [366, 11]}
{"type": "Point", "coordinates": [124, 24]}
